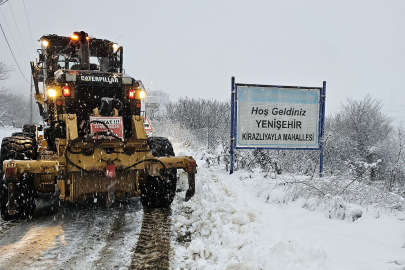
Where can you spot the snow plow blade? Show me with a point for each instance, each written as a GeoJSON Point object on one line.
{"type": "Point", "coordinates": [189, 165]}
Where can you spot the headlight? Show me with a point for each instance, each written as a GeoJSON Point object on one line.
{"type": "Point", "coordinates": [115, 47]}
{"type": "Point", "coordinates": [51, 93]}
{"type": "Point", "coordinates": [142, 94]}
{"type": "Point", "coordinates": [45, 43]}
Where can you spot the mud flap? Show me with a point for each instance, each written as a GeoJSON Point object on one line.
{"type": "Point", "coordinates": [110, 173]}
{"type": "Point", "coordinates": [11, 186]}
{"type": "Point", "coordinates": [110, 193]}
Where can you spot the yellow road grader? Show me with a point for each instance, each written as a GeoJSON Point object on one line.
{"type": "Point", "coordinates": [94, 141]}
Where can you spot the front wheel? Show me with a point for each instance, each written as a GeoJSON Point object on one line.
{"type": "Point", "coordinates": [159, 191]}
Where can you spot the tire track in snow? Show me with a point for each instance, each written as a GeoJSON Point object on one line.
{"type": "Point", "coordinates": [83, 237]}
{"type": "Point", "coordinates": [124, 233]}
{"type": "Point", "coordinates": [103, 240]}
{"type": "Point", "coordinates": [153, 248]}
{"type": "Point", "coordinates": [6, 226]}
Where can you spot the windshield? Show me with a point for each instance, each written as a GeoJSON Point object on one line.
{"type": "Point", "coordinates": [96, 63]}
{"type": "Point", "coordinates": [99, 54]}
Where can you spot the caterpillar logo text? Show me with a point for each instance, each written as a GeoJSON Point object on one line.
{"type": "Point", "coordinates": [99, 79]}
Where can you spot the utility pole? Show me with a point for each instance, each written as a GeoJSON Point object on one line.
{"type": "Point", "coordinates": [31, 122]}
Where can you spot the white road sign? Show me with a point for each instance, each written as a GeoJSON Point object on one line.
{"type": "Point", "coordinates": [147, 125]}
{"type": "Point", "coordinates": [274, 117]}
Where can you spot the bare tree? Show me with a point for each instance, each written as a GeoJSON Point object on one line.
{"type": "Point", "coordinates": [14, 109]}
{"type": "Point", "coordinates": [5, 72]}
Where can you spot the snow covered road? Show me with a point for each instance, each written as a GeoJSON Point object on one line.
{"type": "Point", "coordinates": [65, 236]}
{"type": "Point", "coordinates": [69, 237]}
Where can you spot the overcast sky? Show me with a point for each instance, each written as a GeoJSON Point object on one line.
{"type": "Point", "coordinates": [192, 48]}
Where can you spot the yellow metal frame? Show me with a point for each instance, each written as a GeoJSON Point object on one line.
{"type": "Point", "coordinates": [132, 161]}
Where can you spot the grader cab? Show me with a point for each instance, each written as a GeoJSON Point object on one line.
{"type": "Point", "coordinates": [94, 141]}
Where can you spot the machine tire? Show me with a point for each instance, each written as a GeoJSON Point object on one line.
{"type": "Point", "coordinates": [17, 148]}
{"type": "Point", "coordinates": [29, 131]}
{"type": "Point", "coordinates": [27, 128]}
{"type": "Point", "coordinates": [159, 191]}
{"type": "Point", "coordinates": [3, 200]}
{"type": "Point", "coordinates": [24, 197]}
{"type": "Point", "coordinates": [160, 146]}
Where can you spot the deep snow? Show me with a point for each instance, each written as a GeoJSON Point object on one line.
{"type": "Point", "coordinates": [238, 222]}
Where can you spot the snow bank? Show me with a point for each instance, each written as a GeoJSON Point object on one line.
{"type": "Point", "coordinates": [228, 231]}
{"type": "Point", "coordinates": [241, 222]}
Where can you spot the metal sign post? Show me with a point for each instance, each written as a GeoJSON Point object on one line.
{"type": "Point", "coordinates": [277, 117]}
{"type": "Point", "coordinates": [322, 128]}
{"type": "Point", "coordinates": [31, 95]}
{"type": "Point", "coordinates": [232, 122]}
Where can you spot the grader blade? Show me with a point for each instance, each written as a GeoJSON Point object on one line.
{"type": "Point", "coordinates": [191, 186]}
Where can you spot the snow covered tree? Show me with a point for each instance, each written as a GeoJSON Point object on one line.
{"type": "Point", "coordinates": [396, 160]}
{"type": "Point", "coordinates": [208, 119]}
{"type": "Point", "coordinates": [359, 138]}
{"type": "Point", "coordinates": [198, 113]}
{"type": "Point", "coordinates": [14, 109]}
{"type": "Point", "coordinates": [5, 73]}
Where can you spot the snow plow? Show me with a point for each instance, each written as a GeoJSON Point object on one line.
{"type": "Point", "coordinates": [94, 142]}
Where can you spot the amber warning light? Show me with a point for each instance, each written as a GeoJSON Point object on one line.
{"type": "Point", "coordinates": [66, 91]}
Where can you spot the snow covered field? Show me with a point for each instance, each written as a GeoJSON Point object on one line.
{"type": "Point", "coordinates": [237, 222]}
